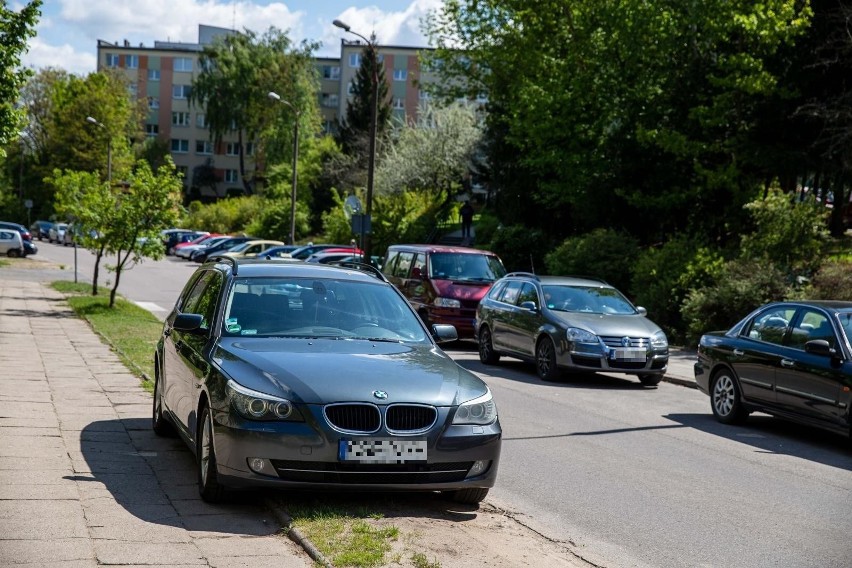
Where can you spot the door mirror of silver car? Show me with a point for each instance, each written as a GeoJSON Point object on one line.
{"type": "Point", "coordinates": [642, 311]}
{"type": "Point", "coordinates": [444, 333]}
{"type": "Point", "coordinates": [529, 306]}
{"type": "Point", "coordinates": [188, 322]}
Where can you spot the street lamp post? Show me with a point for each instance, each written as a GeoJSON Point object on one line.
{"type": "Point", "coordinates": [366, 241]}
{"type": "Point", "coordinates": [109, 146]}
{"type": "Point", "coordinates": [277, 97]}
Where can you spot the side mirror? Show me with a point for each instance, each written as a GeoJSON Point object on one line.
{"type": "Point", "coordinates": [444, 333]}
{"type": "Point", "coordinates": [188, 322]}
{"type": "Point", "coordinates": [820, 347]}
{"type": "Point", "coordinates": [642, 311]}
{"type": "Point", "coordinates": [528, 305]}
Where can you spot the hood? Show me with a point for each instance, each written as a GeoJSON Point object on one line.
{"type": "Point", "coordinates": [320, 371]}
{"type": "Point", "coordinates": [620, 325]}
{"type": "Point", "coordinates": [461, 289]}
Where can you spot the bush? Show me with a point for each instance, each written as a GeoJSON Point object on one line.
{"type": "Point", "coordinates": [833, 281]}
{"type": "Point", "coordinates": [662, 277]}
{"type": "Point", "coordinates": [519, 248]}
{"type": "Point", "coordinates": [742, 286]}
{"type": "Point", "coordinates": [602, 253]}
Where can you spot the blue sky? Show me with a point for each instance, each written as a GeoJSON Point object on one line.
{"type": "Point", "coordinates": [68, 31]}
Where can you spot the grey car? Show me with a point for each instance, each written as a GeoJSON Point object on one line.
{"type": "Point", "coordinates": [292, 375]}
{"type": "Point", "coordinates": [569, 323]}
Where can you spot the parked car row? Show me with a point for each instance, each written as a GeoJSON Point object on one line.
{"type": "Point", "coordinates": [18, 241]}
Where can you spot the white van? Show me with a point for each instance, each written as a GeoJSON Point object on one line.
{"type": "Point", "coordinates": [11, 243]}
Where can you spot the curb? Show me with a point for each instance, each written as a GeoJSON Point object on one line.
{"type": "Point", "coordinates": [280, 513]}
{"type": "Point", "coordinates": [681, 382]}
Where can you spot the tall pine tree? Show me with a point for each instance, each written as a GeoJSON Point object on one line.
{"type": "Point", "coordinates": [354, 132]}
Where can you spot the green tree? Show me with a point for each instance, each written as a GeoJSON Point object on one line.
{"type": "Point", "coordinates": [237, 74]}
{"type": "Point", "coordinates": [15, 29]}
{"type": "Point", "coordinates": [434, 155]}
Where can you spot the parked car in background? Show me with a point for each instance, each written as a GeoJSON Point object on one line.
{"type": "Point", "coordinates": [247, 249]}
{"type": "Point", "coordinates": [203, 254]}
{"type": "Point", "coordinates": [789, 359]}
{"type": "Point", "coordinates": [261, 359]}
{"type": "Point", "coordinates": [56, 234]}
{"type": "Point", "coordinates": [443, 284]}
{"type": "Point", "coordinates": [23, 231]}
{"type": "Point", "coordinates": [565, 323]}
{"type": "Point", "coordinates": [305, 251]}
{"type": "Point", "coordinates": [30, 248]}
{"type": "Point", "coordinates": [334, 255]}
{"type": "Point", "coordinates": [172, 240]}
{"type": "Point", "coordinates": [11, 243]}
{"type": "Point", "coordinates": [41, 229]}
{"type": "Point", "coordinates": [282, 251]}
{"type": "Point", "coordinates": [198, 241]}
{"type": "Point", "coordinates": [186, 251]}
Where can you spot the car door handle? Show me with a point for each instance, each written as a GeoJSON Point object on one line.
{"type": "Point", "coordinates": [787, 363]}
{"type": "Point", "coordinates": [738, 352]}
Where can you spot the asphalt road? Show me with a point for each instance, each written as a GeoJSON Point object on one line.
{"type": "Point", "coordinates": [633, 477]}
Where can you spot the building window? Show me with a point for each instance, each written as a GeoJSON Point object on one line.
{"type": "Point", "coordinates": [331, 72]}
{"type": "Point", "coordinates": [201, 120]}
{"type": "Point", "coordinates": [183, 64]}
{"type": "Point", "coordinates": [152, 129]}
{"type": "Point", "coordinates": [330, 100]}
{"type": "Point", "coordinates": [153, 102]}
{"type": "Point", "coordinates": [400, 74]}
{"type": "Point", "coordinates": [133, 89]}
{"type": "Point", "coordinates": [180, 119]}
{"type": "Point", "coordinates": [180, 146]}
{"type": "Point", "coordinates": [249, 148]}
{"type": "Point", "coordinates": [203, 147]}
{"type": "Point", "coordinates": [153, 74]}
{"type": "Point", "coordinates": [231, 176]}
{"type": "Point", "coordinates": [131, 61]}
{"type": "Point", "coordinates": [399, 103]}
{"type": "Point", "coordinates": [181, 91]}
{"type": "Point", "coordinates": [112, 60]}
{"type": "Point", "coordinates": [350, 88]}
{"type": "Point", "coordinates": [232, 149]}
{"type": "Point", "coordinates": [354, 60]}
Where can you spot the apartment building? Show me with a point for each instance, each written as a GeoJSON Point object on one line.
{"type": "Point", "coordinates": [163, 75]}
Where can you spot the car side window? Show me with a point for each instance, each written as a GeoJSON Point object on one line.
{"type": "Point", "coordinates": [202, 297]}
{"type": "Point", "coordinates": [496, 290]}
{"type": "Point", "coordinates": [511, 293]}
{"type": "Point", "coordinates": [812, 325]}
{"type": "Point", "coordinates": [771, 326]}
{"type": "Point", "coordinates": [419, 264]}
{"type": "Point", "coordinates": [403, 265]}
{"type": "Point", "coordinates": [528, 294]}
{"type": "Point", "coordinates": [390, 263]}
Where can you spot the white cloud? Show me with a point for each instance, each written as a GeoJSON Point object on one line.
{"type": "Point", "coordinates": [63, 56]}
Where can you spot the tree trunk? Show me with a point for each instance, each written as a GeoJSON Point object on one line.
{"type": "Point", "coordinates": [246, 185]}
{"type": "Point", "coordinates": [98, 256]}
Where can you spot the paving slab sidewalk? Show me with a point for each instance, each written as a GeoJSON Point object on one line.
{"type": "Point", "coordinates": [84, 482]}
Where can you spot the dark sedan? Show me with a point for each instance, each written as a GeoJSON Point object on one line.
{"type": "Point", "coordinates": [292, 375]}
{"type": "Point", "coordinates": [789, 359]}
{"type": "Point", "coordinates": [569, 323]}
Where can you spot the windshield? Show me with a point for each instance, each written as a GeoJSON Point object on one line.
{"type": "Point", "coordinates": [591, 299]}
{"type": "Point", "coordinates": [315, 307]}
{"type": "Point", "coordinates": [241, 247]}
{"type": "Point", "coordinates": [465, 266]}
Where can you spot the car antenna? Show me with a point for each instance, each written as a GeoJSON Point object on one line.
{"type": "Point", "coordinates": [532, 264]}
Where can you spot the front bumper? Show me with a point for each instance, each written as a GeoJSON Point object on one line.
{"type": "Point", "coordinates": [305, 455]}
{"type": "Point", "coordinates": [655, 362]}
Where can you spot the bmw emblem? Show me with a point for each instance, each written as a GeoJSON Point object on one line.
{"type": "Point", "coordinates": [381, 395]}
{"type": "Point", "coordinates": [625, 342]}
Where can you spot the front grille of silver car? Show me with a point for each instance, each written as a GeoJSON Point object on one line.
{"type": "Point", "coordinates": [354, 417]}
{"type": "Point", "coordinates": [410, 418]}
{"type": "Point", "coordinates": [615, 341]}
{"type": "Point", "coordinates": [370, 474]}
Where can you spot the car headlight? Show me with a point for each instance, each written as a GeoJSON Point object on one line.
{"type": "Point", "coordinates": [577, 335]}
{"type": "Point", "coordinates": [659, 341]}
{"type": "Point", "coordinates": [259, 406]}
{"type": "Point", "coordinates": [447, 303]}
{"type": "Point", "coordinates": [480, 411]}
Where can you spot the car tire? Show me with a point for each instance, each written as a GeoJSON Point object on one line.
{"type": "Point", "coordinates": [545, 360]}
{"type": "Point", "coordinates": [208, 477]}
{"type": "Point", "coordinates": [13, 253]}
{"type": "Point", "coordinates": [159, 423]}
{"type": "Point", "coordinates": [470, 496]}
{"type": "Point", "coordinates": [725, 398]}
{"type": "Point", "coordinates": [487, 355]}
{"type": "Point", "coordinates": [650, 380]}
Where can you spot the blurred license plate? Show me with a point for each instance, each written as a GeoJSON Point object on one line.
{"type": "Point", "coordinates": [630, 355]}
{"type": "Point", "coordinates": [382, 451]}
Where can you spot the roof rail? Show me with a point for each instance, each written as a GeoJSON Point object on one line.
{"type": "Point", "coordinates": [231, 260]}
{"type": "Point", "coordinates": [362, 266]}
{"type": "Point", "coordinates": [526, 274]}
